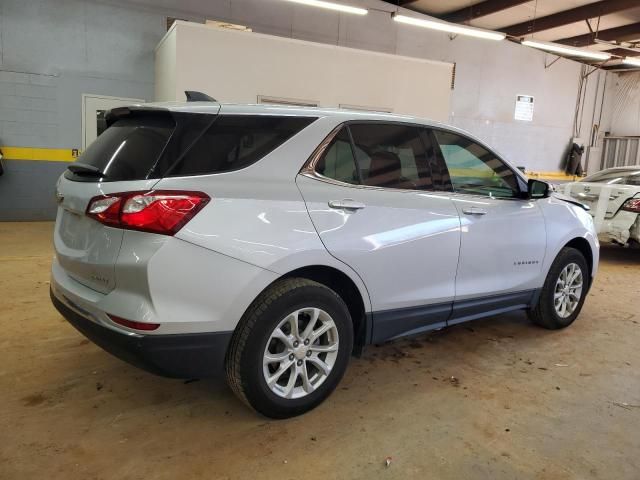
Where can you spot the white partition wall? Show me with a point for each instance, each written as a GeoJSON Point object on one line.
{"type": "Point", "coordinates": [246, 67]}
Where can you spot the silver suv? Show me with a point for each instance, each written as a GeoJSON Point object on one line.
{"type": "Point", "coordinates": [275, 242]}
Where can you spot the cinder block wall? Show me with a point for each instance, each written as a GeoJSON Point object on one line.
{"type": "Point", "coordinates": [53, 51]}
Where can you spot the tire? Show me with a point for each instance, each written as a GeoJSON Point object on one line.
{"type": "Point", "coordinates": [253, 339]}
{"type": "Point", "coordinates": [545, 314]}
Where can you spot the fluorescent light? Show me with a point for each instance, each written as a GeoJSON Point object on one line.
{"type": "Point", "coordinates": [631, 61]}
{"type": "Point", "coordinates": [561, 49]}
{"type": "Point", "coordinates": [449, 27]}
{"type": "Point", "coordinates": [332, 6]}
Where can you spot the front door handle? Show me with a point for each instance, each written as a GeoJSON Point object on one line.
{"type": "Point", "coordinates": [346, 204]}
{"type": "Point", "coordinates": [474, 211]}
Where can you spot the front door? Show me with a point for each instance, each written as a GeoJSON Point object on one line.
{"type": "Point", "coordinates": [503, 239]}
{"type": "Point", "coordinates": [385, 218]}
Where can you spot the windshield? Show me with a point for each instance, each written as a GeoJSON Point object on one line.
{"type": "Point", "coordinates": [615, 177]}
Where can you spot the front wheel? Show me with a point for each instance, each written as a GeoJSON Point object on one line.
{"type": "Point", "coordinates": [564, 291]}
{"type": "Point", "coordinates": [291, 348]}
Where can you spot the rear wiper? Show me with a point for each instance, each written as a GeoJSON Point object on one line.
{"type": "Point", "coordinates": [84, 169]}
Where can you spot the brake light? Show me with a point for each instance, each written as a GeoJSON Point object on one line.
{"type": "Point", "coordinates": [134, 325]}
{"type": "Point", "coordinates": [632, 205]}
{"type": "Point", "coordinates": [161, 211]}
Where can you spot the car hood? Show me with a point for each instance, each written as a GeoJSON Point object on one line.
{"type": "Point", "coordinates": [568, 199]}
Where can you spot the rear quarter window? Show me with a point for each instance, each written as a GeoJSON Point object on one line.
{"type": "Point", "coordinates": [233, 142]}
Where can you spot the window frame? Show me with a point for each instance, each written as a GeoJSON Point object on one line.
{"type": "Point", "coordinates": [333, 136]}
{"type": "Point", "coordinates": [520, 182]}
{"type": "Point", "coordinates": [425, 136]}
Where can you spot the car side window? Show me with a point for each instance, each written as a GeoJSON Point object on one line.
{"type": "Point", "coordinates": [474, 169]}
{"type": "Point", "coordinates": [233, 142]}
{"type": "Point", "coordinates": [391, 156]}
{"type": "Point", "coordinates": [338, 162]}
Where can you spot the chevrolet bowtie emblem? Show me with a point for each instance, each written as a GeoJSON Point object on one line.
{"type": "Point", "coordinates": [59, 197]}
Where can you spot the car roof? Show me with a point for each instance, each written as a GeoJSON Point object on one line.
{"type": "Point", "coordinates": [293, 110]}
{"type": "Point", "coordinates": [627, 167]}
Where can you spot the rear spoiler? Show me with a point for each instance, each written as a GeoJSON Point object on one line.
{"type": "Point", "coordinates": [118, 113]}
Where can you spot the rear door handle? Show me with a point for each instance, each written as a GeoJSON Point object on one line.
{"type": "Point", "coordinates": [346, 204]}
{"type": "Point", "coordinates": [474, 211]}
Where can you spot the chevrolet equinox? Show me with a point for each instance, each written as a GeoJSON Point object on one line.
{"type": "Point", "coordinates": [272, 243]}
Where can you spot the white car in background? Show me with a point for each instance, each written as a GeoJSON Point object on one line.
{"type": "Point", "coordinates": [277, 241]}
{"type": "Point", "coordinates": [618, 213]}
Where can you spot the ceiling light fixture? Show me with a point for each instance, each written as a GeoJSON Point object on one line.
{"type": "Point", "coordinates": [563, 50]}
{"type": "Point", "coordinates": [631, 61]}
{"type": "Point", "coordinates": [449, 27]}
{"type": "Point", "coordinates": [332, 6]}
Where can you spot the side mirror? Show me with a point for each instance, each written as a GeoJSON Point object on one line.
{"type": "Point", "coordinates": [538, 189]}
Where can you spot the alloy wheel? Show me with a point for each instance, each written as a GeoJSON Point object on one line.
{"type": "Point", "coordinates": [568, 290]}
{"type": "Point", "coordinates": [300, 353]}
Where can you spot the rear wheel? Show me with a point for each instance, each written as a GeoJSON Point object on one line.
{"type": "Point", "coordinates": [291, 348]}
{"type": "Point", "coordinates": [564, 291]}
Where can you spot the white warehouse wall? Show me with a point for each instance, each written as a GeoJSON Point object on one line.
{"type": "Point", "coordinates": [315, 73]}
{"type": "Point", "coordinates": [489, 75]}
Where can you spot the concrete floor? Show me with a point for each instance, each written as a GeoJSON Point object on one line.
{"type": "Point", "coordinates": [494, 399]}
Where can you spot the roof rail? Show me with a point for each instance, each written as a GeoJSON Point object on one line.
{"type": "Point", "coordinates": [193, 96]}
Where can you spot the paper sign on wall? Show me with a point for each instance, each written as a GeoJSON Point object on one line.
{"type": "Point", "coordinates": [524, 108]}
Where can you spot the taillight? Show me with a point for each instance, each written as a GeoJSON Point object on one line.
{"type": "Point", "coordinates": [161, 211]}
{"type": "Point", "coordinates": [105, 209]}
{"type": "Point", "coordinates": [134, 325]}
{"type": "Point", "coordinates": [632, 205]}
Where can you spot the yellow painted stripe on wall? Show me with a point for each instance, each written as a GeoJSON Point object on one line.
{"type": "Point", "coordinates": [562, 176]}
{"type": "Point", "coordinates": [39, 154]}
{"type": "Point", "coordinates": [550, 176]}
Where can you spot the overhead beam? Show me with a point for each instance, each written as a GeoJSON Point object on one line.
{"type": "Point", "coordinates": [621, 34]}
{"type": "Point", "coordinates": [481, 9]}
{"type": "Point", "coordinates": [400, 3]}
{"type": "Point", "coordinates": [623, 52]}
{"type": "Point", "coordinates": [621, 68]}
{"type": "Point", "coordinates": [578, 14]}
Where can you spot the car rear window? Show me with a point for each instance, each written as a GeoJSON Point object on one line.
{"type": "Point", "coordinates": [181, 144]}
{"type": "Point", "coordinates": [615, 177]}
{"type": "Point", "coordinates": [128, 149]}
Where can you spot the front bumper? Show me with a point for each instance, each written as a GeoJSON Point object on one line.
{"type": "Point", "coordinates": [191, 355]}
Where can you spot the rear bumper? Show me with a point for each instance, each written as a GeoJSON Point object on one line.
{"type": "Point", "coordinates": [621, 228]}
{"type": "Point", "coordinates": [191, 355]}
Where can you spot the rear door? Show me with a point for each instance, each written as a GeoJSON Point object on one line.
{"type": "Point", "coordinates": [122, 159]}
{"type": "Point", "coordinates": [388, 218]}
{"type": "Point", "coordinates": [503, 240]}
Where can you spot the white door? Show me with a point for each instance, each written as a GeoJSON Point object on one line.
{"type": "Point", "coordinates": [503, 239]}
{"type": "Point", "coordinates": [385, 219]}
{"type": "Point", "coordinates": [93, 110]}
